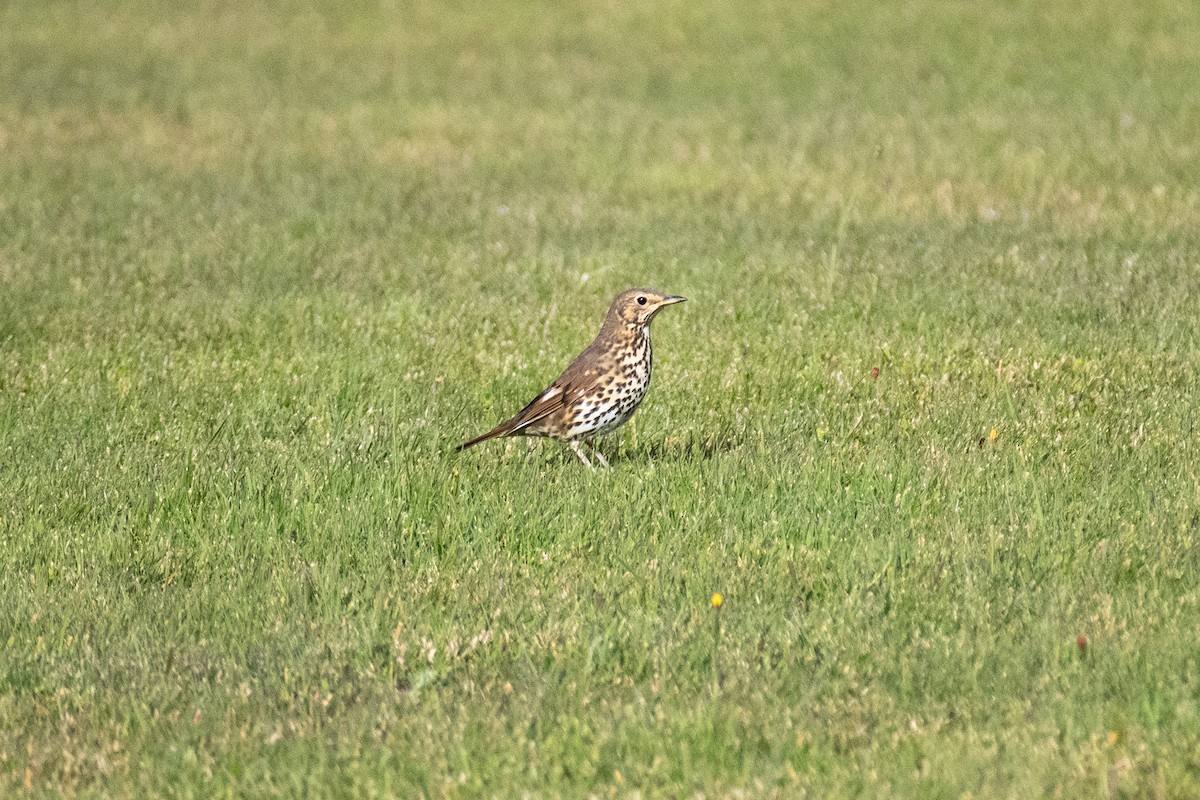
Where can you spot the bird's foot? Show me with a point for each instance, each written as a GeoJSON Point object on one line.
{"type": "Point", "coordinates": [577, 450]}
{"type": "Point", "coordinates": [598, 455]}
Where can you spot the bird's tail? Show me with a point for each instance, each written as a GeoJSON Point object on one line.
{"type": "Point", "coordinates": [500, 430]}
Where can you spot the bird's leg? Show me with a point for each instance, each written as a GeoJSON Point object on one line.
{"type": "Point", "coordinates": [596, 452]}
{"type": "Point", "coordinates": [574, 445]}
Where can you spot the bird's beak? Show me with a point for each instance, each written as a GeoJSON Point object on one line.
{"type": "Point", "coordinates": [671, 300]}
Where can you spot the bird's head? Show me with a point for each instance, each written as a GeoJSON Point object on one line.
{"type": "Point", "coordinates": [638, 306]}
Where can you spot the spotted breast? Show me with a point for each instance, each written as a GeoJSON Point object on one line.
{"type": "Point", "coordinates": [612, 401]}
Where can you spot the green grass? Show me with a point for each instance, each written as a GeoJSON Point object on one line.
{"type": "Point", "coordinates": [263, 266]}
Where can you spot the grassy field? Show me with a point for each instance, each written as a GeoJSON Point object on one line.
{"type": "Point", "coordinates": [263, 266]}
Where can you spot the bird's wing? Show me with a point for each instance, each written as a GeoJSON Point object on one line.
{"type": "Point", "coordinates": [549, 401]}
{"type": "Point", "coordinates": [563, 392]}
{"type": "Point", "coordinates": [545, 404]}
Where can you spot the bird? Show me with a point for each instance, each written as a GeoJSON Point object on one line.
{"type": "Point", "coordinates": [602, 387]}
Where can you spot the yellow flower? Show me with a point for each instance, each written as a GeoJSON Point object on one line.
{"type": "Point", "coordinates": [716, 600]}
{"type": "Point", "coordinates": [1113, 737]}
{"type": "Point", "coordinates": [993, 435]}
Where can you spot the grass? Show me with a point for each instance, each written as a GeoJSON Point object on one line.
{"type": "Point", "coordinates": [263, 265]}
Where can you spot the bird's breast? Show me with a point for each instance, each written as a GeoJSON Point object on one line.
{"type": "Point", "coordinates": [616, 393]}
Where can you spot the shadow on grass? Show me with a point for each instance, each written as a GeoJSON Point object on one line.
{"type": "Point", "coordinates": [695, 448]}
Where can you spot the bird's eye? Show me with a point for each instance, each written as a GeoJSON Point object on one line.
{"type": "Point", "coordinates": [641, 301]}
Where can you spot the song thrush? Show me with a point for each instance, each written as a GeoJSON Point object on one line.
{"type": "Point", "coordinates": [602, 387]}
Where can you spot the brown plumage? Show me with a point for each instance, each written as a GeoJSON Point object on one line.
{"type": "Point", "coordinates": [602, 387]}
